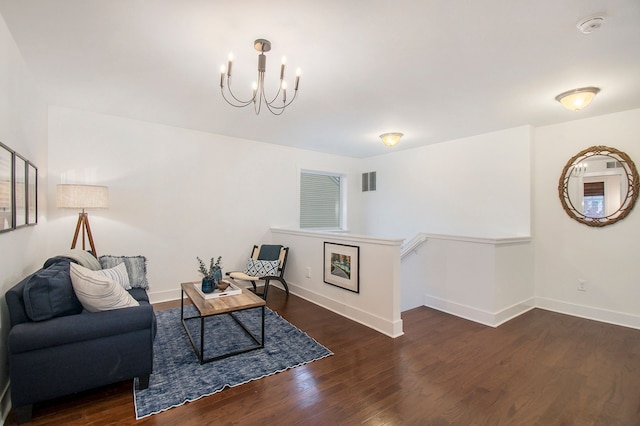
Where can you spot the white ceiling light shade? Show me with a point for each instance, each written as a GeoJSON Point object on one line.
{"type": "Point", "coordinates": [577, 99]}
{"type": "Point", "coordinates": [390, 139]}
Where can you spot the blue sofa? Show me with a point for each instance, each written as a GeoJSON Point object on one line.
{"type": "Point", "coordinates": [75, 350]}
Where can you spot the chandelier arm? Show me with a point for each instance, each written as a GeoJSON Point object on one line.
{"type": "Point", "coordinates": [257, 105]}
{"type": "Point", "coordinates": [275, 98]}
{"type": "Point", "coordinates": [271, 106]}
{"type": "Point", "coordinates": [240, 101]}
{"type": "Point", "coordinates": [258, 94]}
{"type": "Point", "coordinates": [275, 110]}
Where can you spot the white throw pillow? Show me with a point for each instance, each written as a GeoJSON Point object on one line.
{"type": "Point", "coordinates": [118, 274]}
{"type": "Point", "coordinates": [97, 292]}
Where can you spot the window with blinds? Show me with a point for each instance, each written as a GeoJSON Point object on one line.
{"type": "Point", "coordinates": [320, 200]}
{"type": "Point", "coordinates": [594, 199]}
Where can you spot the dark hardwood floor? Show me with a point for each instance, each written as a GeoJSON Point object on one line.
{"type": "Point", "coordinates": [541, 368]}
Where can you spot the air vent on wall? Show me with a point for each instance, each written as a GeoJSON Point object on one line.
{"type": "Point", "coordinates": [369, 181]}
{"type": "Point", "coordinates": [613, 165]}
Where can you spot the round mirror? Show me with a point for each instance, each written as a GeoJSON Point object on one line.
{"type": "Point", "coordinates": [598, 186]}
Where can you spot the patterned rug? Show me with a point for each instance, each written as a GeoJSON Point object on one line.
{"type": "Point", "coordinates": [178, 377]}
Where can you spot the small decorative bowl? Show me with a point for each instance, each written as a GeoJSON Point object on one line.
{"type": "Point", "coordinates": [222, 285]}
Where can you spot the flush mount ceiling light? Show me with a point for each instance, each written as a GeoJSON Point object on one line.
{"type": "Point", "coordinates": [576, 99]}
{"type": "Point", "coordinates": [390, 139]}
{"type": "Point", "coordinates": [259, 97]}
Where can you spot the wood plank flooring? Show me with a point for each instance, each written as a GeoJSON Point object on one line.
{"type": "Point", "coordinates": [541, 368]}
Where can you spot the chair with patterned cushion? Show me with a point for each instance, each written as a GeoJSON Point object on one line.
{"type": "Point", "coordinates": [266, 263]}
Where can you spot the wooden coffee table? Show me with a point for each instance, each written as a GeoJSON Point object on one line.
{"type": "Point", "coordinates": [218, 306]}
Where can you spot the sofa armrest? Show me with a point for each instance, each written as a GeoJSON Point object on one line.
{"type": "Point", "coordinates": [78, 328]}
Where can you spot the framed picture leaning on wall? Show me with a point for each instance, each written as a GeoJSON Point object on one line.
{"type": "Point", "coordinates": [342, 266]}
{"type": "Point", "coordinates": [32, 194]}
{"type": "Point", "coordinates": [6, 188]}
{"type": "Point", "coordinates": [20, 188]}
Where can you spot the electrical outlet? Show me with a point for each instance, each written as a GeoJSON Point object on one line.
{"type": "Point", "coordinates": [582, 285]}
{"type": "Point", "coordinates": [308, 270]}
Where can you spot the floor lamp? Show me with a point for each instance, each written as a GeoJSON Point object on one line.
{"type": "Point", "coordinates": [82, 197]}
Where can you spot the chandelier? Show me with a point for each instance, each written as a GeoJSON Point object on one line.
{"type": "Point", "coordinates": [275, 105]}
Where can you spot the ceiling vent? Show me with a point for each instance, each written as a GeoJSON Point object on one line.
{"type": "Point", "coordinates": [590, 24]}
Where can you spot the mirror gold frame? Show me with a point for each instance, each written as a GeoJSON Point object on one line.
{"type": "Point", "coordinates": [571, 178]}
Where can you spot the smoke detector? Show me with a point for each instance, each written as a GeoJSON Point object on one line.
{"type": "Point", "coordinates": [590, 24]}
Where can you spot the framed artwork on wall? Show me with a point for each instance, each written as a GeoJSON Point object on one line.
{"type": "Point", "coordinates": [6, 189]}
{"type": "Point", "coordinates": [342, 266]}
{"type": "Point", "coordinates": [32, 194]}
{"type": "Point", "coordinates": [20, 188]}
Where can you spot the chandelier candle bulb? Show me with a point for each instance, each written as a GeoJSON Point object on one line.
{"type": "Point", "coordinates": [298, 72]}
{"type": "Point", "coordinates": [222, 72]}
{"type": "Point", "coordinates": [229, 64]}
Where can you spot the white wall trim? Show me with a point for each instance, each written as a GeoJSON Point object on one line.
{"type": "Point", "coordinates": [389, 328]}
{"type": "Point", "coordinates": [491, 319]}
{"type": "Point", "coordinates": [496, 241]}
{"type": "Point", "coordinates": [412, 245]}
{"type": "Point", "coordinates": [509, 313]}
{"type": "Point", "coordinates": [589, 312]}
{"type": "Point", "coordinates": [336, 236]}
{"type": "Point", "coordinates": [164, 296]}
{"type": "Point", "coordinates": [171, 295]}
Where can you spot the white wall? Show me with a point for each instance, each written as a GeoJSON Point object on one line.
{"type": "Point", "coordinates": [23, 128]}
{"type": "Point", "coordinates": [477, 186]}
{"type": "Point", "coordinates": [566, 250]}
{"type": "Point", "coordinates": [176, 194]}
{"type": "Point", "coordinates": [377, 304]}
{"type": "Point", "coordinates": [485, 280]}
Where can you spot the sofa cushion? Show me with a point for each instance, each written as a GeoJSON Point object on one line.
{"type": "Point", "coordinates": [97, 292]}
{"type": "Point", "coordinates": [136, 268]}
{"type": "Point", "coordinates": [118, 274]}
{"type": "Point", "coordinates": [49, 294]}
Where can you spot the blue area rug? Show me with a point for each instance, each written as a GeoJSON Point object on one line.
{"type": "Point", "coordinates": [178, 376]}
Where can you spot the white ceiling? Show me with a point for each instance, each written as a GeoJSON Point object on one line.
{"type": "Point", "coordinates": [436, 70]}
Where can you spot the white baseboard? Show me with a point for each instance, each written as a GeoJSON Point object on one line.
{"type": "Point", "coordinates": [164, 296]}
{"type": "Point", "coordinates": [384, 326]}
{"type": "Point", "coordinates": [171, 295]}
{"type": "Point", "coordinates": [589, 312]}
{"type": "Point", "coordinates": [491, 319]}
{"type": "Point", "coordinates": [390, 328]}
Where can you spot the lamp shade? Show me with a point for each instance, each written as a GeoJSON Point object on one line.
{"type": "Point", "coordinates": [575, 100]}
{"type": "Point", "coordinates": [82, 196]}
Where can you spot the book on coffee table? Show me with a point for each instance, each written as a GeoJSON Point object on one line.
{"type": "Point", "coordinates": [232, 290]}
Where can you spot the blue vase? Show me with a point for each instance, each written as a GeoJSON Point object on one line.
{"type": "Point", "coordinates": [207, 285]}
{"type": "Point", "coordinates": [217, 276]}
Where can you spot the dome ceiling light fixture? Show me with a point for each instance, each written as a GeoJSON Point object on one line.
{"type": "Point", "coordinates": [390, 139]}
{"type": "Point", "coordinates": [577, 99]}
{"type": "Point", "coordinates": [259, 97]}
